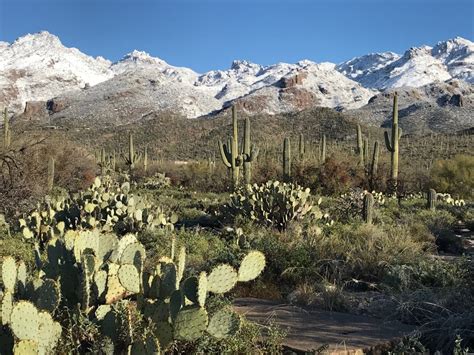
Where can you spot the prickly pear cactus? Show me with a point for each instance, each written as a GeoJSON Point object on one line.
{"type": "Point", "coordinates": [222, 279]}
{"type": "Point", "coordinates": [272, 203]}
{"type": "Point", "coordinates": [105, 205]}
{"type": "Point", "coordinates": [223, 324]}
{"type": "Point", "coordinates": [190, 323]}
{"type": "Point", "coordinates": [252, 266]}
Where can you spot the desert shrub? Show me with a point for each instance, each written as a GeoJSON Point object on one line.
{"type": "Point", "coordinates": [273, 203]}
{"type": "Point", "coordinates": [336, 176]}
{"type": "Point", "coordinates": [455, 176]}
{"type": "Point", "coordinates": [305, 172]}
{"type": "Point", "coordinates": [266, 169]}
{"type": "Point", "coordinates": [425, 273]}
{"type": "Point", "coordinates": [23, 170]}
{"type": "Point", "coordinates": [198, 175]}
{"type": "Point", "coordinates": [349, 205]}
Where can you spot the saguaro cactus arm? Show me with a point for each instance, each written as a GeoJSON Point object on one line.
{"type": "Point", "coordinates": [225, 154]}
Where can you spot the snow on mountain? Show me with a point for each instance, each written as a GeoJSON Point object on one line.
{"type": "Point", "coordinates": [417, 67]}
{"type": "Point", "coordinates": [38, 67]}
{"type": "Point", "coordinates": [360, 67]}
{"type": "Point", "coordinates": [306, 85]}
{"type": "Point", "coordinates": [458, 55]}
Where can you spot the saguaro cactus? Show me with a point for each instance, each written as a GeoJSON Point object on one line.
{"type": "Point", "coordinates": [250, 153]}
{"type": "Point", "coordinates": [145, 160]}
{"type": "Point", "coordinates": [375, 164]}
{"type": "Point", "coordinates": [232, 158]}
{"type": "Point", "coordinates": [51, 164]}
{"type": "Point", "coordinates": [368, 208]}
{"type": "Point", "coordinates": [360, 148]}
{"type": "Point", "coordinates": [6, 130]}
{"type": "Point", "coordinates": [286, 159]}
{"type": "Point", "coordinates": [133, 157]}
{"type": "Point", "coordinates": [301, 146]}
{"type": "Point", "coordinates": [392, 146]}
{"type": "Point", "coordinates": [366, 152]}
{"type": "Point", "coordinates": [322, 150]}
{"type": "Point", "coordinates": [431, 199]}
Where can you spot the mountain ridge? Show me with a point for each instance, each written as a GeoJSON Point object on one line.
{"type": "Point", "coordinates": [38, 67]}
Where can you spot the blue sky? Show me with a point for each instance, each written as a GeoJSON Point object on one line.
{"type": "Point", "coordinates": [209, 34]}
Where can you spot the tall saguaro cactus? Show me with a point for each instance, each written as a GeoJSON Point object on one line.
{"type": "Point", "coordinates": [250, 153]}
{"type": "Point", "coordinates": [6, 130]}
{"type": "Point", "coordinates": [133, 157]}
{"type": "Point", "coordinates": [286, 159]}
{"type": "Point", "coordinates": [301, 146]}
{"type": "Point", "coordinates": [375, 165]}
{"type": "Point", "coordinates": [322, 150]}
{"type": "Point", "coordinates": [145, 160]}
{"type": "Point", "coordinates": [360, 148]}
{"type": "Point", "coordinates": [393, 144]}
{"type": "Point", "coordinates": [51, 164]}
{"type": "Point", "coordinates": [232, 157]}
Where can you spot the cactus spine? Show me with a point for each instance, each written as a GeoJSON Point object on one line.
{"type": "Point", "coordinates": [392, 146]}
{"type": "Point", "coordinates": [368, 208]}
{"type": "Point", "coordinates": [431, 201]}
{"type": "Point", "coordinates": [286, 159]}
{"type": "Point", "coordinates": [230, 152]}
{"type": "Point", "coordinates": [6, 130]}
{"type": "Point", "coordinates": [50, 173]}
{"type": "Point", "coordinates": [322, 150]}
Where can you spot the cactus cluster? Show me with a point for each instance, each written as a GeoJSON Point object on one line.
{"type": "Point", "coordinates": [233, 157]}
{"type": "Point", "coordinates": [273, 203]}
{"type": "Point", "coordinates": [133, 157]}
{"type": "Point", "coordinates": [106, 276]}
{"type": "Point", "coordinates": [106, 162]}
{"type": "Point", "coordinates": [105, 204]}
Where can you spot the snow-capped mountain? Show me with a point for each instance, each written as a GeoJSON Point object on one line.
{"type": "Point", "coordinates": [38, 67]}
{"type": "Point", "coordinates": [417, 67]}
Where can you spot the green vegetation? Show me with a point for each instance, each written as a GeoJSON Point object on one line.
{"type": "Point", "coordinates": [145, 253]}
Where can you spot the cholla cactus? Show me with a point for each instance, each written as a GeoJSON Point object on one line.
{"type": "Point", "coordinates": [273, 203]}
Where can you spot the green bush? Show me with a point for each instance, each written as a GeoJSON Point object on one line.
{"type": "Point", "coordinates": [455, 176]}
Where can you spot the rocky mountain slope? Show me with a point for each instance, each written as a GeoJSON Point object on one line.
{"type": "Point", "coordinates": [436, 107]}
{"type": "Point", "coordinates": [417, 67]}
{"type": "Point", "coordinates": [41, 78]}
